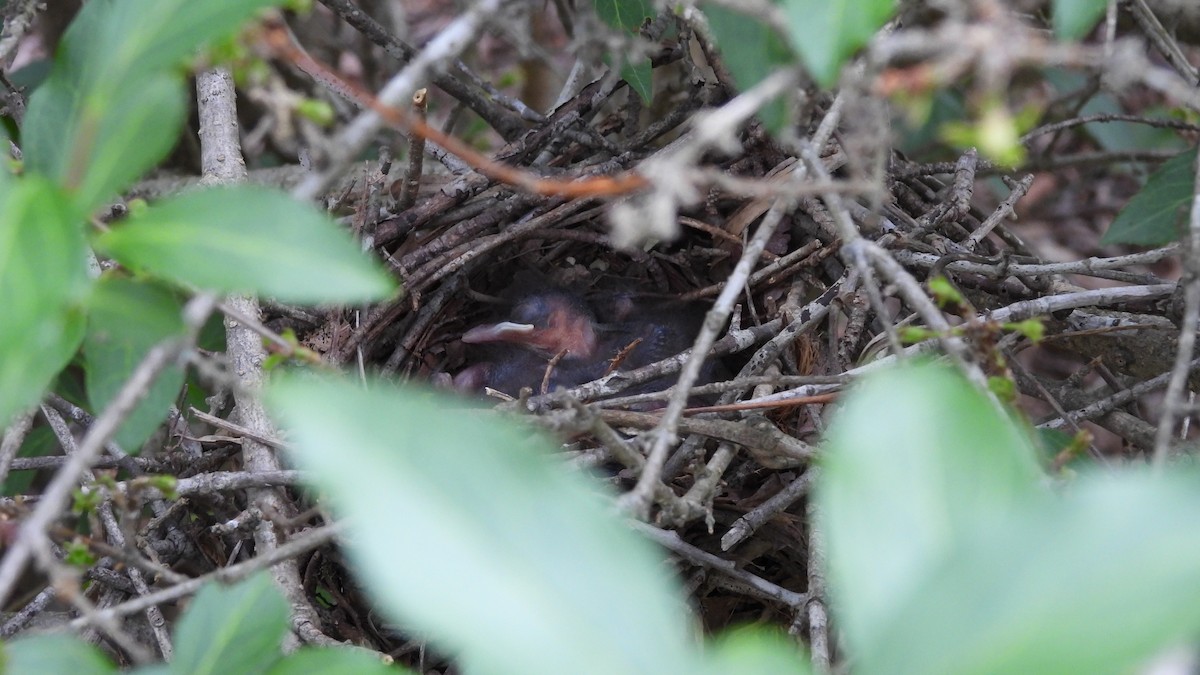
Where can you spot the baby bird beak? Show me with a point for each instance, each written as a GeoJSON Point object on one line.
{"type": "Point", "coordinates": [505, 331]}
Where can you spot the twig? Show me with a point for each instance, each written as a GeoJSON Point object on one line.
{"type": "Point", "coordinates": [1173, 402]}
{"type": "Point", "coordinates": [59, 490]}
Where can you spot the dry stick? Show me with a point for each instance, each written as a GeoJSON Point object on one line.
{"type": "Point", "coordinates": [1173, 403]}
{"type": "Point", "coordinates": [293, 549]}
{"type": "Point", "coordinates": [27, 613]}
{"type": "Point", "coordinates": [1111, 403]}
{"type": "Point", "coordinates": [64, 577]}
{"type": "Point", "coordinates": [798, 257]}
{"type": "Point", "coordinates": [748, 524]}
{"type": "Point", "coordinates": [416, 154]}
{"type": "Point", "coordinates": [1018, 311]}
{"type": "Point", "coordinates": [383, 108]}
{"type": "Point", "coordinates": [711, 130]}
{"type": "Point", "coordinates": [761, 587]}
{"type": "Point", "coordinates": [237, 429]}
{"type": "Point", "coordinates": [1166, 45]}
{"type": "Point", "coordinates": [1098, 267]}
{"type": "Point", "coordinates": [216, 481]}
{"type": "Point", "coordinates": [354, 138]}
{"type": "Point", "coordinates": [818, 617]}
{"type": "Point", "coordinates": [637, 500]}
{"type": "Point", "coordinates": [1004, 210]}
{"type": "Point", "coordinates": [446, 81]}
{"type": "Point", "coordinates": [57, 493]}
{"type": "Point", "coordinates": [11, 442]}
{"type": "Point", "coordinates": [1178, 125]}
{"type": "Point", "coordinates": [221, 159]}
{"type": "Point", "coordinates": [19, 17]}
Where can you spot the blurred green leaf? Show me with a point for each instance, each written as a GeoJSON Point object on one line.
{"type": "Point", "coordinates": [125, 320]}
{"type": "Point", "coordinates": [1155, 214]}
{"type": "Point", "coordinates": [996, 131]}
{"type": "Point", "coordinates": [54, 654]}
{"type": "Point", "coordinates": [751, 51]}
{"type": "Point", "coordinates": [1034, 329]}
{"type": "Point", "coordinates": [916, 461]}
{"type": "Point", "coordinates": [639, 76]}
{"type": "Point", "coordinates": [489, 544]}
{"type": "Point", "coordinates": [139, 130]}
{"type": "Point", "coordinates": [232, 629]}
{"type": "Point", "coordinates": [948, 557]}
{"type": "Point", "coordinates": [119, 40]}
{"type": "Point", "coordinates": [755, 649]}
{"type": "Point", "coordinates": [309, 660]}
{"type": "Point", "coordinates": [246, 239]}
{"type": "Point", "coordinates": [152, 669]}
{"type": "Point", "coordinates": [944, 292]}
{"type": "Point", "coordinates": [828, 32]}
{"type": "Point", "coordinates": [113, 103]}
{"type": "Point", "coordinates": [627, 15]}
{"type": "Point", "coordinates": [317, 111]}
{"type": "Point", "coordinates": [1095, 583]}
{"type": "Point", "coordinates": [94, 147]}
{"type": "Point", "coordinates": [43, 278]}
{"type": "Point", "coordinates": [1074, 19]}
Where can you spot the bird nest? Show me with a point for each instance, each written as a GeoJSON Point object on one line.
{"type": "Point", "coordinates": [806, 285]}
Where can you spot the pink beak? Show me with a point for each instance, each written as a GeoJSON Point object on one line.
{"type": "Point", "coordinates": [505, 331]}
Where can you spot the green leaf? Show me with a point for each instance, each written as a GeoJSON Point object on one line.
{"type": "Point", "coordinates": [639, 75]}
{"type": "Point", "coordinates": [1155, 214]}
{"type": "Point", "coordinates": [1095, 583]}
{"type": "Point", "coordinates": [153, 669]}
{"type": "Point", "coordinates": [755, 649]}
{"type": "Point", "coordinates": [827, 32]}
{"type": "Point", "coordinates": [232, 629]}
{"type": "Point", "coordinates": [521, 566]}
{"type": "Point", "coordinates": [627, 15]}
{"type": "Point", "coordinates": [96, 146]}
{"type": "Point", "coordinates": [916, 461]}
{"type": "Point", "coordinates": [945, 292]}
{"type": "Point", "coordinates": [112, 41]}
{"type": "Point", "coordinates": [137, 133]}
{"type": "Point", "coordinates": [246, 239]}
{"type": "Point", "coordinates": [113, 103]}
{"type": "Point", "coordinates": [43, 277]}
{"type": "Point", "coordinates": [946, 557]}
{"type": "Point", "coordinates": [309, 660]}
{"type": "Point", "coordinates": [54, 654]}
{"type": "Point", "coordinates": [751, 51]}
{"type": "Point", "coordinates": [126, 319]}
{"type": "Point", "coordinates": [1074, 19]}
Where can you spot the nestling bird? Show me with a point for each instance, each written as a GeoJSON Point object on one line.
{"type": "Point", "coordinates": [553, 336]}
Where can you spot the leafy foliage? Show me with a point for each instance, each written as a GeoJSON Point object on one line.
{"type": "Point", "coordinates": [1074, 18]}
{"type": "Point", "coordinates": [125, 320]}
{"type": "Point", "coordinates": [265, 242]}
{"type": "Point", "coordinates": [628, 17]}
{"type": "Point", "coordinates": [751, 50]}
{"type": "Point", "coordinates": [934, 509]}
{"type": "Point", "coordinates": [43, 280]}
{"type": "Point", "coordinates": [1154, 215]}
{"type": "Point", "coordinates": [111, 108]}
{"type": "Point", "coordinates": [226, 629]}
{"type": "Point", "coordinates": [113, 105]}
{"type": "Point", "coordinates": [827, 32]}
{"type": "Point", "coordinates": [544, 580]}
